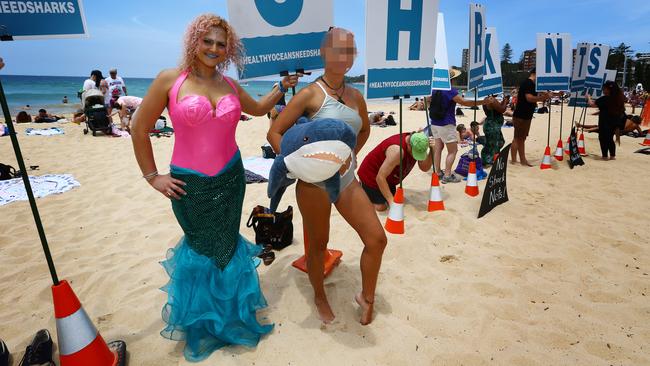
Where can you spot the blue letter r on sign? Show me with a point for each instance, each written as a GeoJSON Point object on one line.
{"type": "Point", "coordinates": [279, 13]}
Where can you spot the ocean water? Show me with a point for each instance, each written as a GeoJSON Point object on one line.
{"type": "Point", "coordinates": [47, 91]}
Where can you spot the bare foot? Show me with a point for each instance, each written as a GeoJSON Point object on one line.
{"type": "Point", "coordinates": [324, 310]}
{"type": "Point", "coordinates": [513, 162]}
{"type": "Point", "coordinates": [612, 158]}
{"type": "Point", "coordinates": [525, 163]}
{"type": "Point", "coordinates": [366, 309]}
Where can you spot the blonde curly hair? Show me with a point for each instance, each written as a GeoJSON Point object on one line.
{"type": "Point", "coordinates": [197, 28]}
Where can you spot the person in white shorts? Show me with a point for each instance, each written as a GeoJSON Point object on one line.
{"type": "Point", "coordinates": [443, 127]}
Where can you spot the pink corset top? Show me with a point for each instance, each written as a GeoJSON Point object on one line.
{"type": "Point", "coordinates": [204, 137]}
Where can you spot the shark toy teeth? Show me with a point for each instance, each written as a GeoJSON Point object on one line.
{"type": "Point", "coordinates": [314, 152]}
{"type": "Point", "coordinates": [317, 161]}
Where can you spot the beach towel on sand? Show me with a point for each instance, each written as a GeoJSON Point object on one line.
{"type": "Point", "coordinates": [258, 165]}
{"type": "Point", "coordinates": [14, 190]}
{"type": "Point", "coordinates": [44, 131]}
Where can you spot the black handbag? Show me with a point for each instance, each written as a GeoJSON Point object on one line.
{"type": "Point", "coordinates": [8, 172]}
{"type": "Point", "coordinates": [275, 228]}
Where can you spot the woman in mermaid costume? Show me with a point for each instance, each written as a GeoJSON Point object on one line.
{"type": "Point", "coordinates": [213, 291]}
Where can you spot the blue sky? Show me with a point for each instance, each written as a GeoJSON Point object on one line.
{"type": "Point", "coordinates": [142, 37]}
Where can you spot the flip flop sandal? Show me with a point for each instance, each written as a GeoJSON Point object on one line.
{"type": "Point", "coordinates": [257, 261]}
{"type": "Point", "coordinates": [268, 258]}
{"type": "Point", "coordinates": [119, 348]}
{"type": "Point", "coordinates": [267, 254]}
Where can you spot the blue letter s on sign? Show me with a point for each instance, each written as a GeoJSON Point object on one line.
{"type": "Point", "coordinates": [595, 63]}
{"type": "Point", "coordinates": [279, 13]}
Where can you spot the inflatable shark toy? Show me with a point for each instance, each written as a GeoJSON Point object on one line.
{"type": "Point", "coordinates": [312, 151]}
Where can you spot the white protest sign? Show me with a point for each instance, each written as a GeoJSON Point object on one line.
{"type": "Point", "coordinates": [579, 67]}
{"type": "Point", "coordinates": [579, 99]}
{"type": "Point", "coordinates": [610, 75]}
{"type": "Point", "coordinates": [441, 79]}
{"type": "Point", "coordinates": [476, 45]}
{"type": "Point", "coordinates": [493, 80]}
{"type": "Point", "coordinates": [596, 63]}
{"type": "Point", "coordinates": [554, 58]}
{"type": "Point", "coordinates": [400, 47]}
{"type": "Point", "coordinates": [280, 36]}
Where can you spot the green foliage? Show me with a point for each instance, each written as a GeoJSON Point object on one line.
{"type": "Point", "coordinates": [506, 54]}
{"type": "Point", "coordinates": [355, 79]}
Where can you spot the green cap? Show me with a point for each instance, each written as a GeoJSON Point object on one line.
{"type": "Point", "coordinates": [419, 145]}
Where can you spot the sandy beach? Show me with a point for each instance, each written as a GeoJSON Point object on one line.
{"type": "Point", "coordinates": [559, 275]}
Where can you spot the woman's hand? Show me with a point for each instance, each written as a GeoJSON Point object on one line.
{"type": "Point", "coordinates": [168, 186]}
{"type": "Point", "coordinates": [290, 81]}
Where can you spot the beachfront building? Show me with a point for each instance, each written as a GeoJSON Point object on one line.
{"type": "Point", "coordinates": [530, 58]}
{"type": "Point", "coordinates": [643, 57]}
{"type": "Point", "coordinates": [465, 59]}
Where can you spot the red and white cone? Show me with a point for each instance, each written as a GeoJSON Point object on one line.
{"type": "Point", "coordinates": [559, 155]}
{"type": "Point", "coordinates": [566, 148]}
{"type": "Point", "coordinates": [646, 140]}
{"type": "Point", "coordinates": [395, 220]}
{"type": "Point", "coordinates": [581, 145]}
{"type": "Point", "coordinates": [435, 196]}
{"type": "Point", "coordinates": [79, 341]}
{"type": "Point", "coordinates": [471, 188]}
{"type": "Point", "coordinates": [546, 162]}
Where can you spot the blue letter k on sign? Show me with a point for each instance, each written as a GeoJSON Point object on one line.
{"type": "Point", "coordinates": [279, 13]}
{"type": "Point", "coordinates": [404, 20]}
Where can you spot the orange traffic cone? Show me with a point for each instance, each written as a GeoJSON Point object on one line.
{"type": "Point", "coordinates": [566, 148]}
{"type": "Point", "coordinates": [646, 141]}
{"type": "Point", "coordinates": [332, 257]}
{"type": "Point", "coordinates": [79, 341]}
{"type": "Point", "coordinates": [559, 155]}
{"type": "Point", "coordinates": [581, 145]}
{"type": "Point", "coordinates": [395, 220]}
{"type": "Point", "coordinates": [472, 183]}
{"type": "Point", "coordinates": [435, 197]}
{"type": "Point", "coordinates": [546, 162]}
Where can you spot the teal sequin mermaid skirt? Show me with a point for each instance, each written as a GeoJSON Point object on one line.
{"type": "Point", "coordinates": [213, 291]}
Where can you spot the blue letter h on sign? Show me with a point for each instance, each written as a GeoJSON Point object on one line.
{"type": "Point", "coordinates": [279, 14]}
{"type": "Point", "coordinates": [478, 47]}
{"type": "Point", "coordinates": [404, 20]}
{"type": "Point", "coordinates": [555, 54]}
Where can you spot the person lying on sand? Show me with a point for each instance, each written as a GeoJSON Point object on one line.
{"type": "Point", "coordinates": [43, 116]}
{"type": "Point", "coordinates": [632, 123]}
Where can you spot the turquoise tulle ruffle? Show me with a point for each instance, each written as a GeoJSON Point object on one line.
{"type": "Point", "coordinates": [209, 308]}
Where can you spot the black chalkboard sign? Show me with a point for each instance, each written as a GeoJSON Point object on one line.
{"type": "Point", "coordinates": [574, 154]}
{"type": "Point", "coordinates": [496, 191]}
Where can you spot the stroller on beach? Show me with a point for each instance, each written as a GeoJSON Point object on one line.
{"type": "Point", "coordinates": [96, 113]}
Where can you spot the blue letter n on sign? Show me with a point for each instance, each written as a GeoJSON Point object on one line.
{"type": "Point", "coordinates": [553, 55]}
{"type": "Point", "coordinates": [279, 14]}
{"type": "Point", "coordinates": [404, 20]}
